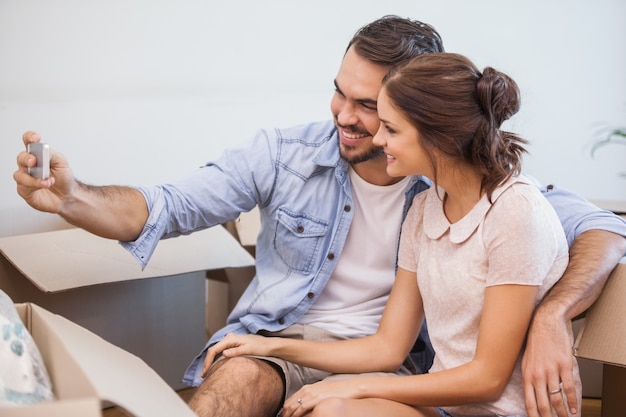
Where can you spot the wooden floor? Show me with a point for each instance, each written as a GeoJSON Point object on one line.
{"type": "Point", "coordinates": [591, 406]}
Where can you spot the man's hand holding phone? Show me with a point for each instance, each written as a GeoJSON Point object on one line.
{"type": "Point", "coordinates": [44, 179]}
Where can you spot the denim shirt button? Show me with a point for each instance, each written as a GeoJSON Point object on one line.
{"type": "Point", "coordinates": [281, 321]}
{"type": "Point", "coordinates": [347, 208]}
{"type": "Point", "coordinates": [310, 295]}
{"type": "Point", "coordinates": [300, 229]}
{"type": "Point", "coordinates": [331, 256]}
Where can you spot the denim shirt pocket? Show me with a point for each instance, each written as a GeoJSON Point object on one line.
{"type": "Point", "coordinates": [298, 239]}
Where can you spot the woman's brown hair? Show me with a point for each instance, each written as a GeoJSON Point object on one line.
{"type": "Point", "coordinates": [459, 111]}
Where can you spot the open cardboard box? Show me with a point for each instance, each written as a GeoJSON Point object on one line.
{"type": "Point", "coordinates": [87, 372]}
{"type": "Point", "coordinates": [157, 314]}
{"type": "Point", "coordinates": [225, 286]}
{"type": "Point", "coordinates": [603, 338]}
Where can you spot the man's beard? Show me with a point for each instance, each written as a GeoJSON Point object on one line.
{"type": "Point", "coordinates": [369, 154]}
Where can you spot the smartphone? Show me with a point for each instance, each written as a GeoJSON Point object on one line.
{"type": "Point", "coordinates": [41, 151]}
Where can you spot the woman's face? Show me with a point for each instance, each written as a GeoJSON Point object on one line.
{"type": "Point", "coordinates": [400, 141]}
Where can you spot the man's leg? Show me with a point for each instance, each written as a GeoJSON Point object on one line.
{"type": "Point", "coordinates": [238, 387]}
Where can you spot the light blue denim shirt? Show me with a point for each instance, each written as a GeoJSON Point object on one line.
{"type": "Point", "coordinates": [578, 215]}
{"type": "Point", "coordinates": [300, 183]}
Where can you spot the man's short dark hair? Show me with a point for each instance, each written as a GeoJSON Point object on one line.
{"type": "Point", "coordinates": [391, 40]}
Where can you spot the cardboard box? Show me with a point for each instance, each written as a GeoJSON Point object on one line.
{"type": "Point", "coordinates": [602, 338]}
{"type": "Point", "coordinates": [225, 286]}
{"type": "Point", "coordinates": [616, 206]}
{"type": "Point", "coordinates": [86, 371]}
{"type": "Point", "coordinates": [590, 371]}
{"type": "Point", "coordinates": [247, 227]}
{"type": "Point", "coordinates": [158, 314]}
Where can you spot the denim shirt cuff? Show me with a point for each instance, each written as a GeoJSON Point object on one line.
{"type": "Point", "coordinates": [144, 246]}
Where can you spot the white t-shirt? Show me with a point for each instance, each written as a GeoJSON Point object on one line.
{"type": "Point", "coordinates": [353, 300]}
{"type": "Point", "coordinates": [517, 240]}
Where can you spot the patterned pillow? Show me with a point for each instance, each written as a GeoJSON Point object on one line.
{"type": "Point", "coordinates": [23, 376]}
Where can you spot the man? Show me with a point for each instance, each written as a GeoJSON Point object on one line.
{"type": "Point", "coordinates": [330, 226]}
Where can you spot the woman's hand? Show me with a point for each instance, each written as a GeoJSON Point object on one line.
{"type": "Point", "coordinates": [309, 396]}
{"type": "Point", "coordinates": [237, 345]}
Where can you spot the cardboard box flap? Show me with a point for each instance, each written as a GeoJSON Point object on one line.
{"type": "Point", "coordinates": [616, 206]}
{"type": "Point", "coordinates": [248, 226]}
{"type": "Point", "coordinates": [603, 335]}
{"type": "Point", "coordinates": [37, 257]}
{"type": "Point", "coordinates": [68, 378]}
{"type": "Point", "coordinates": [111, 373]}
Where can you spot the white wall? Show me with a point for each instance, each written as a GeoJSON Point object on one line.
{"type": "Point", "coordinates": [143, 91]}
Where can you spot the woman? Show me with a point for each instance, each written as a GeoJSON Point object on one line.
{"type": "Point", "coordinates": [467, 262]}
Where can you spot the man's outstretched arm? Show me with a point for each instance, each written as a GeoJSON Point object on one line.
{"type": "Point", "coordinates": [113, 212]}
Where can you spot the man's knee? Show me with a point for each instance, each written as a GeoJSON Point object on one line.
{"type": "Point", "coordinates": [239, 386]}
{"type": "Point", "coordinates": [330, 407]}
{"type": "Point", "coordinates": [246, 370]}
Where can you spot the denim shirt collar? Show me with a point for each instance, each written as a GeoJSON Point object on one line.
{"type": "Point", "coordinates": [330, 157]}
